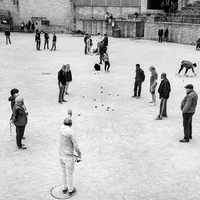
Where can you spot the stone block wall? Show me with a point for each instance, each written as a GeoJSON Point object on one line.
{"type": "Point", "coordinates": [178, 32]}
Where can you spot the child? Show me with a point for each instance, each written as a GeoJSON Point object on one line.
{"type": "Point", "coordinates": [106, 60]}
{"type": "Point", "coordinates": [68, 77]}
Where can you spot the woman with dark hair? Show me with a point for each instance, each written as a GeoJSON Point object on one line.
{"type": "Point", "coordinates": [20, 120]}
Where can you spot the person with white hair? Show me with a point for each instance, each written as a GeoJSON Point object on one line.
{"type": "Point", "coordinates": [20, 120]}
{"type": "Point", "coordinates": [67, 144]}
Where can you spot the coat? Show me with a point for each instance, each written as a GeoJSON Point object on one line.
{"type": "Point", "coordinates": [19, 116]}
{"type": "Point", "coordinates": [164, 89]}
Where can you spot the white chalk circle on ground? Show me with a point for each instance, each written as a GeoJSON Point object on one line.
{"type": "Point", "coordinates": [57, 193]}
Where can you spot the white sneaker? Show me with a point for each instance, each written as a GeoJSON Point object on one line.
{"type": "Point", "coordinates": [153, 104]}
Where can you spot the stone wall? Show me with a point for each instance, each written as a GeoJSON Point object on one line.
{"type": "Point", "coordinates": [178, 32]}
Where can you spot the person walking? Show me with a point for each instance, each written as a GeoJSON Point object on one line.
{"type": "Point", "coordinates": [46, 40]}
{"type": "Point", "coordinates": [62, 84]}
{"type": "Point", "coordinates": [7, 34]}
{"type": "Point", "coordinates": [37, 40]}
{"type": "Point", "coordinates": [164, 91]}
{"type": "Point", "coordinates": [188, 107]}
{"type": "Point", "coordinates": [68, 78]}
{"type": "Point", "coordinates": [188, 65]}
{"type": "Point", "coordinates": [160, 34]}
{"type": "Point", "coordinates": [106, 60]}
{"type": "Point", "coordinates": [54, 42]}
{"type": "Point", "coordinates": [139, 79]}
{"type": "Point", "coordinates": [20, 120]}
{"type": "Point", "coordinates": [67, 144]}
{"type": "Point", "coordinates": [153, 84]}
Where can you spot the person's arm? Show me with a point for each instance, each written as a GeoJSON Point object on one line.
{"type": "Point", "coordinates": [75, 143]}
{"type": "Point", "coordinates": [193, 70]}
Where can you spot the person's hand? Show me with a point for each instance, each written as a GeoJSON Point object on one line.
{"type": "Point", "coordinates": [195, 74]}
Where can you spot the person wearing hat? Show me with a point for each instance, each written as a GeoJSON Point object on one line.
{"type": "Point", "coordinates": [20, 120]}
{"type": "Point", "coordinates": [153, 84]}
{"type": "Point", "coordinates": [163, 90]}
{"type": "Point", "coordinates": [188, 65]}
{"type": "Point", "coordinates": [139, 78]}
{"type": "Point", "coordinates": [188, 107]}
{"type": "Point", "coordinates": [67, 145]}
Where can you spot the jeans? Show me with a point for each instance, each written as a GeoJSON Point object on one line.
{"type": "Point", "coordinates": [61, 92]}
{"type": "Point", "coordinates": [67, 166]}
{"type": "Point", "coordinates": [46, 42]}
{"type": "Point", "coordinates": [53, 46]}
{"type": "Point", "coordinates": [38, 44]}
{"type": "Point", "coordinates": [19, 135]}
{"type": "Point", "coordinates": [163, 107]}
{"type": "Point", "coordinates": [8, 39]}
{"type": "Point", "coordinates": [187, 125]}
{"type": "Point", "coordinates": [137, 88]}
{"type": "Point", "coordinates": [160, 38]}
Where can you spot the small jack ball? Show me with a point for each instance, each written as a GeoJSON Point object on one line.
{"type": "Point", "coordinates": [94, 99]}
{"type": "Point", "coordinates": [102, 105]}
{"type": "Point", "coordinates": [101, 92]}
{"type": "Point", "coordinates": [95, 106]}
{"type": "Point", "coordinates": [83, 97]}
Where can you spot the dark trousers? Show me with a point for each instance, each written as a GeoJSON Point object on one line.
{"type": "Point", "coordinates": [107, 64]}
{"type": "Point", "coordinates": [61, 93]}
{"type": "Point", "coordinates": [160, 38]}
{"type": "Point", "coordinates": [38, 44]}
{"type": "Point", "coordinates": [187, 125]}
{"type": "Point", "coordinates": [101, 57]}
{"type": "Point", "coordinates": [186, 69]}
{"type": "Point", "coordinates": [85, 49]}
{"type": "Point", "coordinates": [19, 135]}
{"type": "Point", "coordinates": [53, 46]}
{"type": "Point", "coordinates": [8, 39]}
{"type": "Point", "coordinates": [137, 88]}
{"type": "Point", "coordinates": [46, 42]}
{"type": "Point", "coordinates": [163, 108]}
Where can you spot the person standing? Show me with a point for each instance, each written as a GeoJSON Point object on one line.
{"type": "Point", "coordinates": [105, 40]}
{"type": "Point", "coordinates": [20, 120]}
{"type": "Point", "coordinates": [22, 27]}
{"type": "Point", "coordinates": [102, 49]}
{"type": "Point", "coordinates": [164, 91]}
{"type": "Point", "coordinates": [54, 42]}
{"type": "Point", "coordinates": [67, 144]}
{"type": "Point", "coordinates": [33, 27]}
{"type": "Point", "coordinates": [160, 34]}
{"type": "Point", "coordinates": [139, 79]}
{"type": "Point", "coordinates": [188, 65]}
{"type": "Point", "coordinates": [46, 40]}
{"type": "Point", "coordinates": [68, 78]}
{"type": "Point", "coordinates": [166, 34]}
{"type": "Point", "coordinates": [99, 39]}
{"type": "Point", "coordinates": [37, 40]}
{"type": "Point", "coordinates": [85, 41]}
{"type": "Point", "coordinates": [106, 60]}
{"type": "Point", "coordinates": [188, 107]}
{"type": "Point", "coordinates": [153, 84]}
{"type": "Point", "coordinates": [62, 84]}
{"type": "Point", "coordinates": [7, 34]}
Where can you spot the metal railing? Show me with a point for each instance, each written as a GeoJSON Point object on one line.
{"type": "Point", "coordinates": [176, 6]}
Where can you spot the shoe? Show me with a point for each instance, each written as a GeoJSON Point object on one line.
{"type": "Point", "coordinates": [164, 115]}
{"type": "Point", "coordinates": [152, 104]}
{"type": "Point", "coordinates": [184, 140]}
{"type": "Point", "coordinates": [72, 192]}
{"type": "Point", "coordinates": [134, 96]}
{"type": "Point", "coordinates": [65, 191]}
{"type": "Point", "coordinates": [60, 102]}
{"type": "Point", "coordinates": [64, 100]}
{"type": "Point", "coordinates": [23, 145]}
{"type": "Point", "coordinates": [22, 148]}
{"type": "Point", "coordinates": [158, 118]}
{"type": "Point", "coordinates": [66, 93]}
{"type": "Point", "coordinates": [190, 137]}
{"type": "Point", "coordinates": [138, 97]}
{"type": "Point", "coordinates": [23, 138]}
{"type": "Point", "coordinates": [150, 101]}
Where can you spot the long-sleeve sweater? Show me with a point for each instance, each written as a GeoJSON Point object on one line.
{"type": "Point", "coordinates": [189, 103]}
{"type": "Point", "coordinates": [68, 142]}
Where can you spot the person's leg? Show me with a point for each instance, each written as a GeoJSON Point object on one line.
{"type": "Point", "coordinates": [47, 44]}
{"type": "Point", "coordinates": [55, 46]}
{"type": "Point", "coordinates": [180, 69]}
{"type": "Point", "coordinates": [85, 49]}
{"type": "Point", "coordinates": [108, 66]}
{"type": "Point", "coordinates": [161, 109]}
{"type": "Point", "coordinates": [9, 40]}
{"type": "Point", "coordinates": [60, 93]}
{"type": "Point", "coordinates": [140, 88]}
{"type": "Point", "coordinates": [39, 44]}
{"type": "Point", "coordinates": [186, 70]}
{"type": "Point", "coordinates": [161, 38]}
{"type": "Point", "coordinates": [66, 87]}
{"type": "Point", "coordinates": [17, 136]}
{"type": "Point", "coordinates": [164, 109]}
{"type": "Point", "coordinates": [190, 125]}
{"type": "Point", "coordinates": [186, 121]}
{"type": "Point", "coordinates": [21, 133]}
{"type": "Point", "coordinates": [135, 88]}
{"type": "Point", "coordinates": [6, 39]}
{"type": "Point", "coordinates": [64, 175]}
{"type": "Point", "coordinates": [69, 162]}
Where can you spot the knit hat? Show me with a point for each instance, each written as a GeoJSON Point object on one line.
{"type": "Point", "coordinates": [189, 86]}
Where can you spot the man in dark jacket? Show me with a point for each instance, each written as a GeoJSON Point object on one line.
{"type": "Point", "coordinates": [163, 90]}
{"type": "Point", "coordinates": [37, 40]}
{"type": "Point", "coordinates": [7, 34]}
{"type": "Point", "coordinates": [54, 42]}
{"type": "Point", "coordinates": [160, 34]}
{"type": "Point", "coordinates": [139, 78]}
{"type": "Point", "coordinates": [62, 84]}
{"type": "Point", "coordinates": [46, 40]}
{"type": "Point", "coordinates": [102, 49]}
{"type": "Point", "coordinates": [188, 107]}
